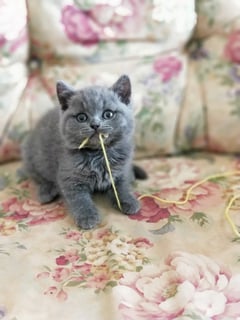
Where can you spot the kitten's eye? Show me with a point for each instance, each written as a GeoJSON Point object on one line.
{"type": "Point", "coordinates": [81, 117]}
{"type": "Point", "coordinates": [108, 114]}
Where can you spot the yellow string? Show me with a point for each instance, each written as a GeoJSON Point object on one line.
{"type": "Point", "coordinates": [188, 194]}
{"type": "Point", "coordinates": [109, 171]}
{"type": "Point", "coordinates": [85, 141]}
{"type": "Point", "coordinates": [227, 215]}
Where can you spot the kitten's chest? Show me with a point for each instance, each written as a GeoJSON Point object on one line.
{"type": "Point", "coordinates": [100, 175]}
{"type": "Point", "coordinates": [96, 172]}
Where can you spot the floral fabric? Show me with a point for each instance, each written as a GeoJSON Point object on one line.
{"type": "Point", "coordinates": [13, 36]}
{"type": "Point", "coordinates": [216, 64]}
{"type": "Point", "coordinates": [167, 262]}
{"type": "Point", "coordinates": [183, 100]}
{"type": "Point", "coordinates": [157, 85]}
{"type": "Point", "coordinates": [217, 16]}
{"type": "Point", "coordinates": [13, 70]}
{"type": "Point", "coordinates": [108, 30]}
{"type": "Point", "coordinates": [94, 42]}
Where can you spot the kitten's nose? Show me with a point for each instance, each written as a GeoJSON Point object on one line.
{"type": "Point", "coordinates": [95, 126]}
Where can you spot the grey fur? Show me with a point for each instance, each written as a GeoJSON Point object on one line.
{"type": "Point", "coordinates": [52, 159]}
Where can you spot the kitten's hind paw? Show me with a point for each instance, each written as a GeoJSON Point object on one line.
{"type": "Point", "coordinates": [88, 222]}
{"type": "Point", "coordinates": [47, 192]}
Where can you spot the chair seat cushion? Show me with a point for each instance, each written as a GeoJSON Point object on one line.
{"type": "Point", "coordinates": [165, 262]}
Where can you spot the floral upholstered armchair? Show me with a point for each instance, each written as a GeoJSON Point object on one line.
{"type": "Point", "coordinates": [173, 260]}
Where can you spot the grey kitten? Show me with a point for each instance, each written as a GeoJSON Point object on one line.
{"type": "Point", "coordinates": [52, 158]}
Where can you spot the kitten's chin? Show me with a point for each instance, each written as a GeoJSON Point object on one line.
{"type": "Point", "coordinates": [94, 141]}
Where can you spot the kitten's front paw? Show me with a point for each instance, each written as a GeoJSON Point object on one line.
{"type": "Point", "coordinates": [88, 222]}
{"type": "Point", "coordinates": [130, 205]}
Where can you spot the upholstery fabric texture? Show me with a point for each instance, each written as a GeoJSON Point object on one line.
{"type": "Point", "coordinates": [168, 261]}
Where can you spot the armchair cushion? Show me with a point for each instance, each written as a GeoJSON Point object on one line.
{"type": "Point", "coordinates": [14, 45]}
{"type": "Point", "coordinates": [70, 41]}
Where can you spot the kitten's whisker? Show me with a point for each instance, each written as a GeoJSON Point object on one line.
{"type": "Point", "coordinates": [84, 142]}
{"type": "Point", "coordinates": [85, 129]}
{"type": "Point", "coordinates": [87, 132]}
{"type": "Point", "coordinates": [107, 128]}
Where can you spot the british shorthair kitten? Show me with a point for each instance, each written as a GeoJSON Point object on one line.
{"type": "Point", "coordinates": [52, 158]}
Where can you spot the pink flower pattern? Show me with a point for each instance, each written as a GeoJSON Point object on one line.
{"type": "Point", "coordinates": [32, 211]}
{"type": "Point", "coordinates": [98, 263]}
{"type": "Point", "coordinates": [117, 20]}
{"type": "Point", "coordinates": [232, 48]}
{"type": "Point", "coordinates": [60, 295]}
{"type": "Point", "coordinates": [60, 274]}
{"type": "Point", "coordinates": [202, 197]}
{"type": "Point", "coordinates": [19, 31]}
{"type": "Point", "coordinates": [167, 67]}
{"type": "Point", "coordinates": [131, 267]}
{"type": "Point", "coordinates": [185, 284]}
{"type": "Point", "coordinates": [2, 40]}
{"type": "Point", "coordinates": [23, 211]}
{"type": "Point", "coordinates": [151, 211]}
{"type": "Point", "coordinates": [73, 234]}
{"type": "Point", "coordinates": [102, 21]}
{"type": "Point", "coordinates": [79, 26]}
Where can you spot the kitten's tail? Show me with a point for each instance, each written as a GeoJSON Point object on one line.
{"type": "Point", "coordinates": [139, 173]}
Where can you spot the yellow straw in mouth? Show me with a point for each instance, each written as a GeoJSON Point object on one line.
{"type": "Point", "coordinates": [85, 141]}
{"type": "Point", "coordinates": [101, 136]}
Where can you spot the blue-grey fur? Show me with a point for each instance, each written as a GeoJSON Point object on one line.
{"type": "Point", "coordinates": [52, 159]}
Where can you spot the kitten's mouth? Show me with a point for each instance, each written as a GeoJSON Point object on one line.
{"type": "Point", "coordinates": [95, 138]}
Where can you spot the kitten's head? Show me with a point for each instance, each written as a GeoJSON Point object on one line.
{"type": "Point", "coordinates": [88, 112]}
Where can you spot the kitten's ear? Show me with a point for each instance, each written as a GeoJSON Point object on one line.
{"type": "Point", "coordinates": [123, 89]}
{"type": "Point", "coordinates": [64, 93]}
